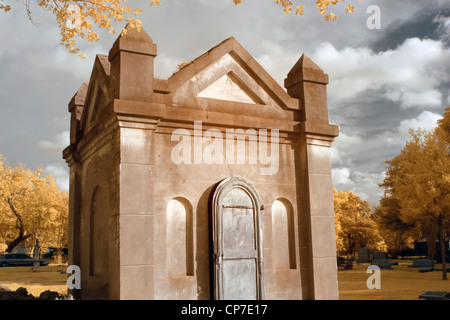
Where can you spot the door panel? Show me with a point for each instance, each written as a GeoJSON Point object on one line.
{"type": "Point", "coordinates": [237, 241]}
{"type": "Point", "coordinates": [239, 279]}
{"type": "Point", "coordinates": [238, 229]}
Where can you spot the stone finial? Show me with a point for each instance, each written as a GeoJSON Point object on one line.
{"type": "Point", "coordinates": [307, 82]}
{"type": "Point", "coordinates": [134, 40]}
{"type": "Point", "coordinates": [76, 106]}
{"type": "Point", "coordinates": [79, 97]}
{"type": "Point", "coordinates": [131, 71]}
{"type": "Point", "coordinates": [305, 70]}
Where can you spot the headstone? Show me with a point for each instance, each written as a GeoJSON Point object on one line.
{"type": "Point", "coordinates": [382, 263]}
{"type": "Point", "coordinates": [422, 263]}
{"type": "Point", "coordinates": [435, 295]}
{"type": "Point", "coordinates": [348, 265]}
{"type": "Point", "coordinates": [380, 255]}
{"type": "Point", "coordinates": [363, 255]}
{"type": "Point", "coordinates": [341, 261]}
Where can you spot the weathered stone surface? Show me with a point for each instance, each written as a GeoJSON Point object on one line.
{"type": "Point", "coordinates": [143, 225]}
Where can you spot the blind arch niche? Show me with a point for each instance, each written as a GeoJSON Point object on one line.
{"type": "Point", "coordinates": [180, 238]}
{"type": "Point", "coordinates": [283, 236]}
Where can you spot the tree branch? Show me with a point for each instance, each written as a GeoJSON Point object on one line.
{"type": "Point", "coordinates": [21, 237]}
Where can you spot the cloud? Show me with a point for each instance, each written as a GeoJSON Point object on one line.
{"type": "Point", "coordinates": [342, 147]}
{"type": "Point", "coordinates": [444, 28]}
{"type": "Point", "coordinates": [411, 75]}
{"type": "Point", "coordinates": [373, 85]}
{"type": "Point", "coordinates": [365, 184]}
{"type": "Point", "coordinates": [341, 176]}
{"type": "Point", "coordinates": [427, 23]}
{"type": "Point", "coordinates": [426, 120]}
{"type": "Point", "coordinates": [61, 175]}
{"type": "Point", "coordinates": [56, 144]}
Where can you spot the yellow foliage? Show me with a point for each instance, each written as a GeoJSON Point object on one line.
{"type": "Point", "coordinates": [182, 64]}
{"type": "Point", "coordinates": [322, 5]}
{"type": "Point", "coordinates": [397, 233]}
{"type": "Point", "coordinates": [5, 8]}
{"type": "Point", "coordinates": [355, 227]}
{"type": "Point", "coordinates": [443, 129]}
{"type": "Point", "coordinates": [32, 205]}
{"type": "Point", "coordinates": [300, 10]}
{"type": "Point", "coordinates": [76, 18]}
{"type": "Point", "coordinates": [350, 8]}
{"type": "Point", "coordinates": [418, 177]}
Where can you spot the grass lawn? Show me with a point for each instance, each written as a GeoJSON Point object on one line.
{"type": "Point", "coordinates": [400, 283]}
{"type": "Point", "coordinates": [36, 281]}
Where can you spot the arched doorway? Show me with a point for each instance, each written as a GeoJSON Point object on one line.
{"type": "Point", "coordinates": [237, 241]}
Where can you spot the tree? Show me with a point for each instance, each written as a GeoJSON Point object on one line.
{"type": "Point", "coordinates": [76, 18]}
{"type": "Point", "coordinates": [444, 126]}
{"type": "Point", "coordinates": [31, 207]}
{"type": "Point", "coordinates": [355, 227]}
{"type": "Point", "coordinates": [397, 234]}
{"type": "Point", "coordinates": [419, 177]}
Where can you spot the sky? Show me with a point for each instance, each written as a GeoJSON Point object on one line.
{"type": "Point", "coordinates": [382, 81]}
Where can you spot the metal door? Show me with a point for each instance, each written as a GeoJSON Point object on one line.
{"type": "Point", "coordinates": [238, 262]}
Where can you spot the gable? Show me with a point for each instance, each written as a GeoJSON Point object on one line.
{"type": "Point", "coordinates": [97, 93]}
{"type": "Point", "coordinates": [229, 87]}
{"type": "Point", "coordinates": [228, 72]}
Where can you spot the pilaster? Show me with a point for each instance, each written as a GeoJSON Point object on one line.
{"type": "Point", "coordinates": [136, 215]}
{"type": "Point", "coordinates": [307, 83]}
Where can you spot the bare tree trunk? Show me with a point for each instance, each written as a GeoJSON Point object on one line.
{"type": "Point", "coordinates": [21, 237]}
{"type": "Point", "coordinates": [442, 245]}
{"type": "Point", "coordinates": [429, 230]}
{"type": "Point", "coordinates": [398, 244]}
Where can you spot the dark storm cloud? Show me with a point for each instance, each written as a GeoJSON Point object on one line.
{"type": "Point", "coordinates": [425, 24]}
{"type": "Point", "coordinates": [39, 77]}
{"type": "Point", "coordinates": [369, 114]}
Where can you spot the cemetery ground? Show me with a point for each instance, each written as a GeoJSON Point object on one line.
{"type": "Point", "coordinates": [399, 283]}
{"type": "Point", "coordinates": [52, 277]}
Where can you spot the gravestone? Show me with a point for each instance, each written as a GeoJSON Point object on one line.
{"type": "Point", "coordinates": [422, 263]}
{"type": "Point", "coordinates": [383, 255]}
{"type": "Point", "coordinates": [380, 255]}
{"type": "Point", "coordinates": [363, 255]}
{"type": "Point", "coordinates": [382, 263]}
{"type": "Point", "coordinates": [341, 261]}
{"type": "Point", "coordinates": [435, 295]}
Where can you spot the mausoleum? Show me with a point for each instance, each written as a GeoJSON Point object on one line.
{"type": "Point", "coordinates": [212, 184]}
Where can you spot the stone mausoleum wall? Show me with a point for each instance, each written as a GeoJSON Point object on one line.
{"type": "Point", "coordinates": [163, 202]}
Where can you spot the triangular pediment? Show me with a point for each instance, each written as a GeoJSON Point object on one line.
{"type": "Point", "coordinates": [97, 95]}
{"type": "Point", "coordinates": [228, 72]}
{"type": "Point", "coordinates": [229, 87]}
